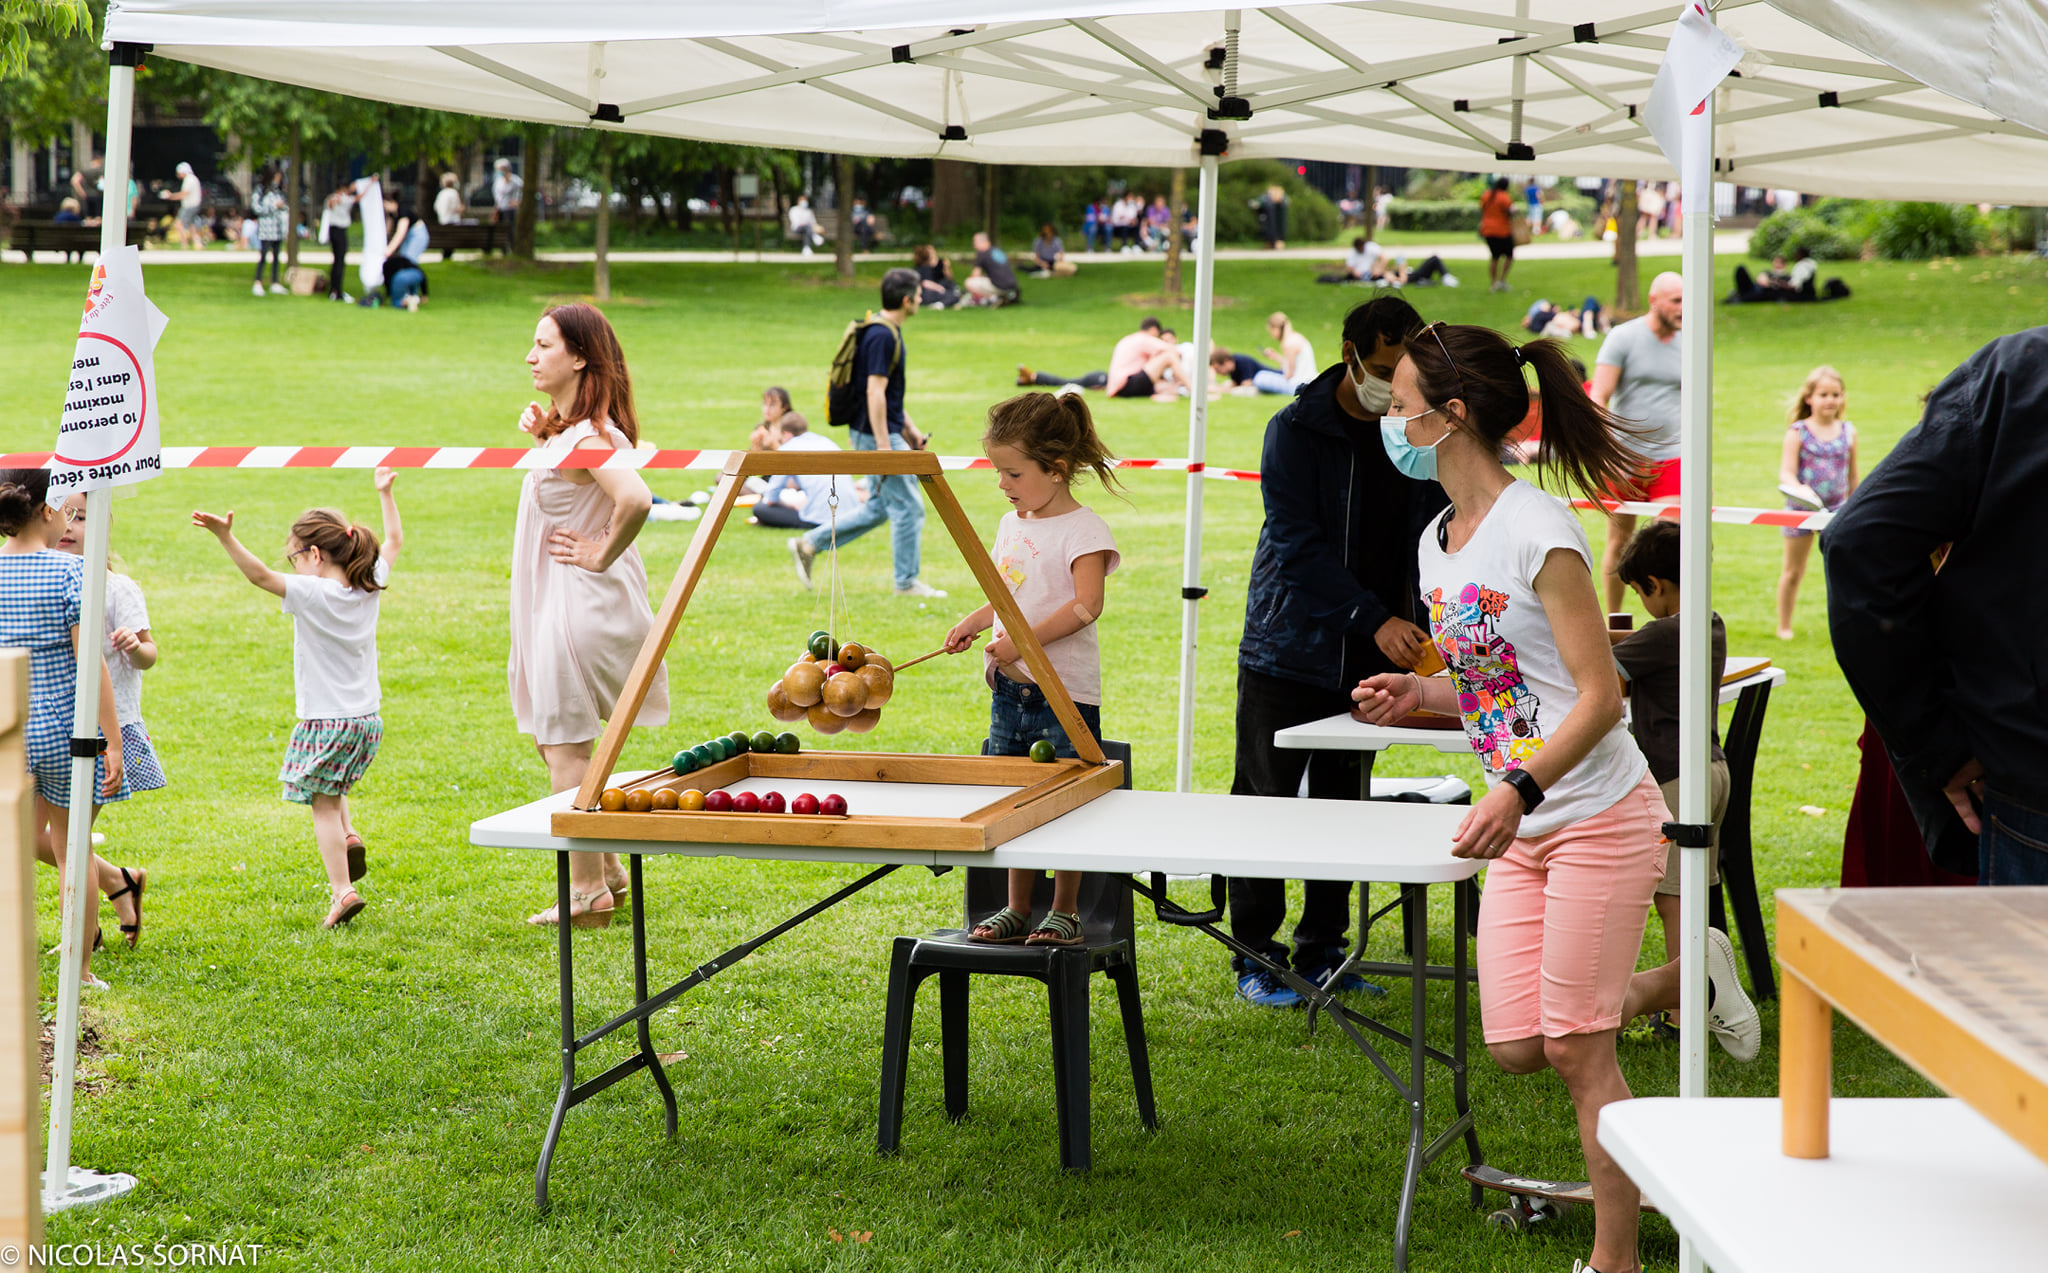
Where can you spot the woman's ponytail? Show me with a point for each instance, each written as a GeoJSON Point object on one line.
{"type": "Point", "coordinates": [1582, 441]}
{"type": "Point", "coordinates": [1586, 444]}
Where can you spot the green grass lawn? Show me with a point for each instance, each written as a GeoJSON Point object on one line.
{"type": "Point", "coordinates": [375, 1098]}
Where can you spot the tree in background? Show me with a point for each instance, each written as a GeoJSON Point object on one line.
{"type": "Point", "coordinates": [20, 21]}
{"type": "Point", "coordinates": [51, 71]}
{"type": "Point", "coordinates": [1628, 301]}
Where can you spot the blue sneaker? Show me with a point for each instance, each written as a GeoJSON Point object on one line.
{"type": "Point", "coordinates": [1264, 990]}
{"type": "Point", "coordinates": [1349, 984]}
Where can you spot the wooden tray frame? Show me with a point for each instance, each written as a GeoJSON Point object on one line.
{"type": "Point", "coordinates": [1044, 791]}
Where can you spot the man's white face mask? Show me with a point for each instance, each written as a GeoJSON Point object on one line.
{"type": "Point", "coordinates": [1374, 394]}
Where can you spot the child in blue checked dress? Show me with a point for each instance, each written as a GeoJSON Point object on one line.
{"type": "Point", "coordinates": [338, 569]}
{"type": "Point", "coordinates": [42, 594]}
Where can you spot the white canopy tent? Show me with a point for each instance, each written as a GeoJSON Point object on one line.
{"type": "Point", "coordinates": [1520, 86]}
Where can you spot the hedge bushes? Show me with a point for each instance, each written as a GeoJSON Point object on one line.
{"type": "Point", "coordinates": [1442, 215]}
{"type": "Point", "coordinates": [1916, 231]}
{"type": "Point", "coordinates": [1784, 233]}
{"type": "Point", "coordinates": [1836, 229]}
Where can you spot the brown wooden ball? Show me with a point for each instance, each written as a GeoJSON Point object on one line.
{"type": "Point", "coordinates": [864, 720]}
{"type": "Point", "coordinates": [852, 655]}
{"type": "Point", "coordinates": [612, 800]}
{"type": "Point", "coordinates": [802, 683]}
{"type": "Point", "coordinates": [666, 798]}
{"type": "Point", "coordinates": [881, 683]}
{"type": "Point", "coordinates": [779, 705]}
{"type": "Point", "coordinates": [845, 694]}
{"type": "Point", "coordinates": [874, 659]}
{"type": "Point", "coordinates": [824, 720]}
{"type": "Point", "coordinates": [639, 801]}
{"type": "Point", "coordinates": [807, 657]}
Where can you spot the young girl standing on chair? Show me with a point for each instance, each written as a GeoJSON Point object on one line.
{"type": "Point", "coordinates": [1819, 456]}
{"type": "Point", "coordinates": [1056, 555]}
{"type": "Point", "coordinates": [338, 569]}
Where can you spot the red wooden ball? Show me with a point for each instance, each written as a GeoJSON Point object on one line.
{"type": "Point", "coordinates": [804, 803]}
{"type": "Point", "coordinates": [771, 802]}
{"type": "Point", "coordinates": [717, 802]}
{"type": "Point", "coordinates": [746, 802]}
{"type": "Point", "coordinates": [835, 805]}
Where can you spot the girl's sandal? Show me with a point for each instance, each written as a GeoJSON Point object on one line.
{"type": "Point", "coordinates": [621, 890]}
{"type": "Point", "coordinates": [345, 908]}
{"type": "Point", "coordinates": [135, 882]}
{"type": "Point", "coordinates": [358, 861]}
{"type": "Point", "coordinates": [1057, 929]}
{"type": "Point", "coordinates": [1004, 928]}
{"type": "Point", "coordinates": [582, 912]}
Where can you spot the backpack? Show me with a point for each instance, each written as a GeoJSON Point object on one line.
{"type": "Point", "coordinates": [846, 402]}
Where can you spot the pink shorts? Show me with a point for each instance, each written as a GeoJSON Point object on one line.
{"type": "Point", "coordinates": [1562, 921]}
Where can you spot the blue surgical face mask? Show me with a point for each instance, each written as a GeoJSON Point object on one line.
{"type": "Point", "coordinates": [1418, 462]}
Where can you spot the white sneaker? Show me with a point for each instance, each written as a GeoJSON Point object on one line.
{"type": "Point", "coordinates": [256, 288]}
{"type": "Point", "coordinates": [1450, 280]}
{"type": "Point", "coordinates": [279, 289]}
{"type": "Point", "coordinates": [919, 588]}
{"type": "Point", "coordinates": [801, 550]}
{"type": "Point", "coordinates": [1732, 1018]}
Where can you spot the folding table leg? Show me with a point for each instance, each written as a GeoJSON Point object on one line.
{"type": "Point", "coordinates": [1463, 897]}
{"type": "Point", "coordinates": [668, 1094]}
{"type": "Point", "coordinates": [1415, 917]}
{"type": "Point", "coordinates": [566, 972]}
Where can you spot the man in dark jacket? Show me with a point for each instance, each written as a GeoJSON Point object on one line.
{"type": "Point", "coordinates": [1948, 665]}
{"type": "Point", "coordinates": [1332, 600]}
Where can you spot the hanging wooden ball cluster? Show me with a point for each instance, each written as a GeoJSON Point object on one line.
{"type": "Point", "coordinates": [834, 687]}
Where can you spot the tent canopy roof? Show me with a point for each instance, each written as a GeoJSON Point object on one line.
{"type": "Point", "coordinates": [1396, 82]}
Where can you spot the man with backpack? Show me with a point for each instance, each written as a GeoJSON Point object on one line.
{"type": "Point", "coordinates": [865, 394]}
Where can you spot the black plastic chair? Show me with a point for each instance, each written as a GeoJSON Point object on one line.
{"type": "Point", "coordinates": [1738, 868]}
{"type": "Point", "coordinates": [1108, 948]}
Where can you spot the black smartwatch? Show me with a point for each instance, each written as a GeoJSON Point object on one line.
{"type": "Point", "coordinates": [1524, 782]}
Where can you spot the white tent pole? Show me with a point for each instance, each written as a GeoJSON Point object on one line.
{"type": "Point", "coordinates": [1696, 698]}
{"type": "Point", "coordinates": [78, 887]}
{"type": "Point", "coordinates": [1198, 445]}
{"type": "Point", "coordinates": [1695, 585]}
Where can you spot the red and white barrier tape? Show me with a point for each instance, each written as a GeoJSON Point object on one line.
{"type": "Point", "coordinates": [520, 457]}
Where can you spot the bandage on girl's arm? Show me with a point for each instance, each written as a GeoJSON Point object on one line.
{"type": "Point", "coordinates": [1090, 572]}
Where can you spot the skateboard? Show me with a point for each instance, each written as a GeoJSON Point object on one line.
{"type": "Point", "coordinates": [1532, 1201]}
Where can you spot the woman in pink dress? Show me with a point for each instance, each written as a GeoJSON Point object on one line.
{"type": "Point", "coordinates": [579, 588]}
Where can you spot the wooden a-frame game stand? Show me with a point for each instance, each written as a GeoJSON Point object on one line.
{"type": "Point", "coordinates": [1044, 791]}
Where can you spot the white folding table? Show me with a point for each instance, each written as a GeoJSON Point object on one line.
{"type": "Point", "coordinates": [1910, 1186]}
{"type": "Point", "coordinates": [1128, 832]}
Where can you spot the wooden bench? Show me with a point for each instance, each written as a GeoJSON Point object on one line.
{"type": "Point", "coordinates": [29, 237]}
{"type": "Point", "coordinates": [484, 237]}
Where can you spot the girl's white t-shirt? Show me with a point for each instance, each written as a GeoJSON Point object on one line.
{"type": "Point", "coordinates": [1513, 687]}
{"type": "Point", "coordinates": [1036, 558]}
{"type": "Point", "coordinates": [125, 609]}
{"type": "Point", "coordinates": [334, 645]}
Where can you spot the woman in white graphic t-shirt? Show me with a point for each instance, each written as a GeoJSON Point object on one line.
{"type": "Point", "coordinates": [1572, 819]}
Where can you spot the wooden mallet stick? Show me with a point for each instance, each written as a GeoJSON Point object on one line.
{"type": "Point", "coordinates": [922, 657]}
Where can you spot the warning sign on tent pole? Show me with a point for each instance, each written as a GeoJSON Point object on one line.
{"type": "Point", "coordinates": [108, 433]}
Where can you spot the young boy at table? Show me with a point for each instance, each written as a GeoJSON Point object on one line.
{"type": "Point", "coordinates": [1648, 659]}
